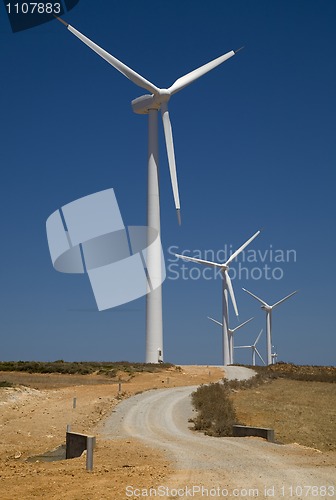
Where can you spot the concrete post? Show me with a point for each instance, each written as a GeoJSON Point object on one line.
{"type": "Point", "coordinates": [89, 453]}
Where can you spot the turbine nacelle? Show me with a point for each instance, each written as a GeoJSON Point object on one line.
{"type": "Point", "coordinates": [156, 99]}
{"type": "Point", "coordinates": [266, 307]}
{"type": "Point", "coordinates": [143, 104]}
{"type": "Point", "coordinates": [223, 268]}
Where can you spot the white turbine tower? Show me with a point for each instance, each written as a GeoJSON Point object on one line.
{"type": "Point", "coordinates": [150, 104]}
{"type": "Point", "coordinates": [226, 288]}
{"type": "Point", "coordinates": [231, 332]}
{"type": "Point", "coordinates": [274, 356]}
{"type": "Point", "coordinates": [254, 349]}
{"type": "Point", "coordinates": [266, 307]}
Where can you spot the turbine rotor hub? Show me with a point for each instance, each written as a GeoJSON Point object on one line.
{"type": "Point", "coordinates": [164, 95]}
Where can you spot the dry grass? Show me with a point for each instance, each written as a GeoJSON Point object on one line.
{"type": "Point", "coordinates": [305, 373]}
{"type": "Point", "coordinates": [301, 412]}
{"type": "Point", "coordinates": [43, 381]}
{"type": "Point", "coordinates": [82, 367]}
{"type": "Point", "coordinates": [298, 402]}
{"type": "Point", "coordinates": [61, 374]}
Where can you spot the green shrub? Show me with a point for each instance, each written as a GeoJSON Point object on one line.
{"type": "Point", "coordinates": [258, 379]}
{"type": "Point", "coordinates": [82, 367]}
{"type": "Point", "coordinates": [216, 414]}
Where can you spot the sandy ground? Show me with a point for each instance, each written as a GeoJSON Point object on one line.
{"type": "Point", "coordinates": [160, 418]}
{"type": "Point", "coordinates": [33, 420]}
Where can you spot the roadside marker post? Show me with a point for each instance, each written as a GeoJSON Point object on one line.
{"type": "Point", "coordinates": [89, 453]}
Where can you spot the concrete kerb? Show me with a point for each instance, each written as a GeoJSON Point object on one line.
{"type": "Point", "coordinates": [244, 431]}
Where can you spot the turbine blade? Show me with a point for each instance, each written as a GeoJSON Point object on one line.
{"type": "Point", "coordinates": [241, 325]}
{"type": "Point", "coordinates": [230, 287]}
{"type": "Point", "coordinates": [171, 154]}
{"type": "Point", "coordinates": [187, 79]}
{"type": "Point", "coordinates": [283, 300]}
{"type": "Point", "coordinates": [261, 301]}
{"type": "Point", "coordinates": [215, 321]}
{"type": "Point", "coordinates": [125, 70]}
{"type": "Point", "coordinates": [257, 339]}
{"type": "Point", "coordinates": [199, 261]}
{"type": "Point", "coordinates": [242, 346]}
{"type": "Point", "coordinates": [240, 249]}
{"type": "Point", "coordinates": [61, 20]}
{"type": "Point", "coordinates": [260, 356]}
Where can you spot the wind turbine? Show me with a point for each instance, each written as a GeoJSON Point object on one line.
{"type": "Point", "coordinates": [266, 307]}
{"type": "Point", "coordinates": [231, 332]}
{"type": "Point", "coordinates": [274, 356]}
{"type": "Point", "coordinates": [254, 349]}
{"type": "Point", "coordinates": [150, 104]}
{"type": "Point", "coordinates": [226, 288]}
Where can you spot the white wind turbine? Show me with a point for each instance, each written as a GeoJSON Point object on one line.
{"type": "Point", "coordinates": [231, 332]}
{"type": "Point", "coordinates": [150, 104]}
{"type": "Point", "coordinates": [266, 307]}
{"type": "Point", "coordinates": [254, 349]}
{"type": "Point", "coordinates": [226, 287]}
{"type": "Point", "coordinates": [274, 356]}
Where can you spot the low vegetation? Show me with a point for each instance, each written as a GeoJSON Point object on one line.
{"type": "Point", "coordinates": [296, 401]}
{"type": "Point", "coordinates": [298, 372]}
{"type": "Point", "coordinates": [109, 369]}
{"type": "Point", "coordinates": [299, 412]}
{"type": "Point", "coordinates": [216, 414]}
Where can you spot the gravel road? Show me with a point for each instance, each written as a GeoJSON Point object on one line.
{"type": "Point", "coordinates": [241, 467]}
{"type": "Point", "coordinates": [238, 372]}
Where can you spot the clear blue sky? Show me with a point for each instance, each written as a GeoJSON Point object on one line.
{"type": "Point", "coordinates": [255, 147]}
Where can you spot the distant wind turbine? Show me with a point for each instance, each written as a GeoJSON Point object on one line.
{"type": "Point", "coordinates": [226, 288]}
{"type": "Point", "coordinates": [150, 104]}
{"type": "Point", "coordinates": [266, 307]}
{"type": "Point", "coordinates": [254, 349]}
{"type": "Point", "coordinates": [274, 355]}
{"type": "Point", "coordinates": [231, 332]}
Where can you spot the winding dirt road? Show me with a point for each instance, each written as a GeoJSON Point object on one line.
{"type": "Point", "coordinates": [223, 467]}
